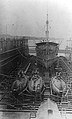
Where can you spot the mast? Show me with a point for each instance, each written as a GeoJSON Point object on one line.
{"type": "Point", "coordinates": [47, 30]}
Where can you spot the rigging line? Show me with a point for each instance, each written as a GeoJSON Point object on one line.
{"type": "Point", "coordinates": [9, 50]}
{"type": "Point", "coordinates": [21, 53]}
{"type": "Point", "coordinates": [69, 88]}
{"type": "Point", "coordinates": [8, 58]}
{"type": "Point", "coordinates": [11, 105]}
{"type": "Point", "coordinates": [27, 68]}
{"type": "Point", "coordinates": [66, 65]}
{"type": "Point", "coordinates": [3, 96]}
{"type": "Point", "coordinates": [16, 68]}
{"type": "Point", "coordinates": [22, 92]}
{"type": "Point", "coordinates": [24, 66]}
{"type": "Point", "coordinates": [3, 82]}
{"type": "Point", "coordinates": [7, 75]}
{"type": "Point", "coordinates": [28, 95]}
{"type": "Point", "coordinates": [8, 61]}
{"type": "Point", "coordinates": [43, 90]}
{"type": "Point", "coordinates": [29, 92]}
{"type": "Point", "coordinates": [15, 97]}
{"type": "Point", "coordinates": [13, 70]}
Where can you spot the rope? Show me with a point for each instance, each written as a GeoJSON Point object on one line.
{"type": "Point", "coordinates": [10, 50]}
{"type": "Point", "coordinates": [21, 53]}
{"type": "Point", "coordinates": [7, 75]}
{"type": "Point", "coordinates": [66, 65]}
{"type": "Point", "coordinates": [8, 57]}
{"type": "Point", "coordinates": [8, 61]}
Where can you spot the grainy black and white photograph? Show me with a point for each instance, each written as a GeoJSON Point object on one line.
{"type": "Point", "coordinates": [35, 59]}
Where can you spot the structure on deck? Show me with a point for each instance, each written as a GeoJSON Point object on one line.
{"type": "Point", "coordinates": [27, 80]}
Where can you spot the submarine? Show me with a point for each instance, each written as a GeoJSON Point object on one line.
{"type": "Point", "coordinates": [28, 80]}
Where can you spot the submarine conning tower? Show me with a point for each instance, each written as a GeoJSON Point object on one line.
{"type": "Point", "coordinates": [46, 51]}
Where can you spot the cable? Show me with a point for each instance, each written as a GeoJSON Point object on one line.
{"type": "Point", "coordinates": [66, 64]}
{"type": "Point", "coordinates": [8, 51]}
{"type": "Point", "coordinates": [7, 76]}
{"type": "Point", "coordinates": [8, 58]}
{"type": "Point", "coordinates": [8, 61]}
{"type": "Point", "coordinates": [21, 53]}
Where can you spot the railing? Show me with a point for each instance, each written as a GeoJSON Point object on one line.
{"type": "Point", "coordinates": [32, 50]}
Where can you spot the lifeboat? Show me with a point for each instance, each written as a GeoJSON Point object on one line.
{"type": "Point", "coordinates": [20, 83]}
{"type": "Point", "coordinates": [58, 85]}
{"type": "Point", "coordinates": [36, 83]}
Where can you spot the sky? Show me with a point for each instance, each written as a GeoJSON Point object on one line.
{"type": "Point", "coordinates": [28, 17]}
